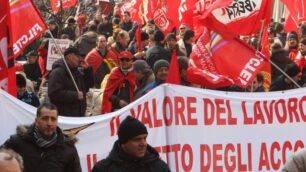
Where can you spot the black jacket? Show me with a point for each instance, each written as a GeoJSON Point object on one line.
{"type": "Point", "coordinates": [118, 161]}
{"type": "Point", "coordinates": [61, 157]}
{"type": "Point", "coordinates": [157, 52]}
{"type": "Point", "coordinates": [279, 84]}
{"type": "Point", "coordinates": [63, 93]}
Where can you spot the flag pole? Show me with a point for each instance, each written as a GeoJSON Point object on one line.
{"type": "Point", "coordinates": [272, 63]}
{"type": "Point", "coordinates": [66, 65]}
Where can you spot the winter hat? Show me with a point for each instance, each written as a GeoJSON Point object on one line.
{"type": "Point", "coordinates": [292, 69]}
{"type": "Point", "coordinates": [51, 21]}
{"type": "Point", "coordinates": [158, 36]}
{"type": "Point", "coordinates": [31, 54]}
{"type": "Point", "coordinates": [141, 65]}
{"type": "Point", "coordinates": [160, 63]}
{"type": "Point", "coordinates": [125, 54]}
{"type": "Point", "coordinates": [129, 128]}
{"type": "Point", "coordinates": [292, 35]}
{"type": "Point", "coordinates": [71, 50]}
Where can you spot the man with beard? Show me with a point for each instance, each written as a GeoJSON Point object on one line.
{"type": "Point", "coordinates": [161, 68]}
{"type": "Point", "coordinates": [131, 152]}
{"type": "Point", "coordinates": [120, 86]}
{"type": "Point", "coordinates": [43, 145]}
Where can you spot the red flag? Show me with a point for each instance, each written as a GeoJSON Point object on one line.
{"type": "Point", "coordinates": [56, 4]}
{"type": "Point", "coordinates": [174, 73]}
{"type": "Point", "coordinates": [161, 20]}
{"type": "Point", "coordinates": [132, 7]}
{"type": "Point", "coordinates": [297, 13]}
{"type": "Point", "coordinates": [138, 38]}
{"type": "Point", "coordinates": [218, 62]}
{"type": "Point", "coordinates": [31, 26]}
{"type": "Point", "coordinates": [7, 70]}
{"type": "Point", "coordinates": [265, 50]}
{"type": "Point", "coordinates": [235, 19]}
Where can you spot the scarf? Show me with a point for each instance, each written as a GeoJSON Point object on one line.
{"type": "Point", "coordinates": [41, 142]}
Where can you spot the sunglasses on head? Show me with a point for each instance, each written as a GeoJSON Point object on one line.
{"type": "Point", "coordinates": [125, 59]}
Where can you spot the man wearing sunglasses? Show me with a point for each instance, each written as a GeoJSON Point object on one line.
{"type": "Point", "coordinates": [120, 85]}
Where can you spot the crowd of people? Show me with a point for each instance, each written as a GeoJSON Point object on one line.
{"type": "Point", "coordinates": [105, 56]}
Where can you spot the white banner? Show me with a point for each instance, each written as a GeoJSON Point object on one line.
{"type": "Point", "coordinates": [53, 54]}
{"type": "Point", "coordinates": [193, 129]}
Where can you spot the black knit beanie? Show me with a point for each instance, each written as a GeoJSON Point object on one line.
{"type": "Point", "coordinates": [129, 128]}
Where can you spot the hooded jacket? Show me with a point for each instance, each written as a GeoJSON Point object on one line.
{"type": "Point", "coordinates": [62, 91]}
{"type": "Point", "coordinates": [119, 161]}
{"type": "Point", "coordinates": [60, 157]}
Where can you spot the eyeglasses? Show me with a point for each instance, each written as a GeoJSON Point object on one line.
{"type": "Point", "coordinates": [125, 59]}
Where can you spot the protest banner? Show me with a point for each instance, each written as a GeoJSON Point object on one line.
{"type": "Point", "coordinates": [192, 129]}
{"type": "Point", "coordinates": [53, 54]}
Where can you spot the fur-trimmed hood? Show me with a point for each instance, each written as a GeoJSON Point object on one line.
{"type": "Point", "coordinates": [25, 131]}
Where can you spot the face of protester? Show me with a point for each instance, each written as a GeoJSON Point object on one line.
{"type": "Point", "coordinates": [31, 59]}
{"type": "Point", "coordinates": [171, 43]}
{"type": "Point", "coordinates": [124, 41]}
{"type": "Point", "coordinates": [254, 86]}
{"type": "Point", "coordinates": [162, 73]}
{"type": "Point", "coordinates": [125, 18]}
{"type": "Point", "coordinates": [73, 60]}
{"type": "Point", "coordinates": [10, 165]}
{"type": "Point", "coordinates": [125, 63]}
{"type": "Point", "coordinates": [52, 26]}
{"type": "Point", "coordinates": [136, 146]}
{"type": "Point", "coordinates": [292, 42]}
{"type": "Point", "coordinates": [138, 75]}
{"type": "Point", "coordinates": [302, 48]}
{"type": "Point", "coordinates": [101, 43]}
{"type": "Point", "coordinates": [47, 122]}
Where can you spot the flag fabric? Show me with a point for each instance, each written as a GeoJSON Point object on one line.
{"type": "Point", "coordinates": [27, 27]}
{"type": "Point", "coordinates": [138, 38]}
{"type": "Point", "coordinates": [265, 50]}
{"type": "Point", "coordinates": [219, 62]}
{"type": "Point", "coordinates": [56, 4]}
{"type": "Point", "coordinates": [132, 7]}
{"type": "Point", "coordinates": [7, 70]}
{"type": "Point", "coordinates": [297, 13]}
{"type": "Point", "coordinates": [161, 20]}
{"type": "Point", "coordinates": [174, 73]}
{"type": "Point", "coordinates": [235, 19]}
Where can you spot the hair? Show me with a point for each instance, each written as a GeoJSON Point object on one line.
{"type": "Point", "coordinates": [151, 21]}
{"type": "Point", "coordinates": [188, 34]}
{"type": "Point", "coordinates": [92, 27]}
{"type": "Point", "coordinates": [9, 155]}
{"type": "Point", "coordinates": [121, 34]}
{"type": "Point", "coordinates": [127, 13]}
{"type": "Point", "coordinates": [49, 106]}
{"type": "Point", "coordinates": [260, 77]}
{"type": "Point", "coordinates": [20, 80]}
{"type": "Point", "coordinates": [182, 63]}
{"type": "Point", "coordinates": [100, 36]}
{"type": "Point", "coordinates": [170, 36]}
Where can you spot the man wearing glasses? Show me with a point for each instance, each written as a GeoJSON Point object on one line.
{"type": "Point", "coordinates": [120, 85]}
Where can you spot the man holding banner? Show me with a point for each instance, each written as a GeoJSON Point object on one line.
{"type": "Point", "coordinates": [131, 151]}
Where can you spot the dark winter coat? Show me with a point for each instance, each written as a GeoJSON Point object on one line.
{"type": "Point", "coordinates": [119, 161]}
{"type": "Point", "coordinates": [62, 91]}
{"type": "Point", "coordinates": [157, 52]}
{"type": "Point", "coordinates": [279, 84]}
{"type": "Point", "coordinates": [60, 157]}
{"type": "Point", "coordinates": [281, 59]}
